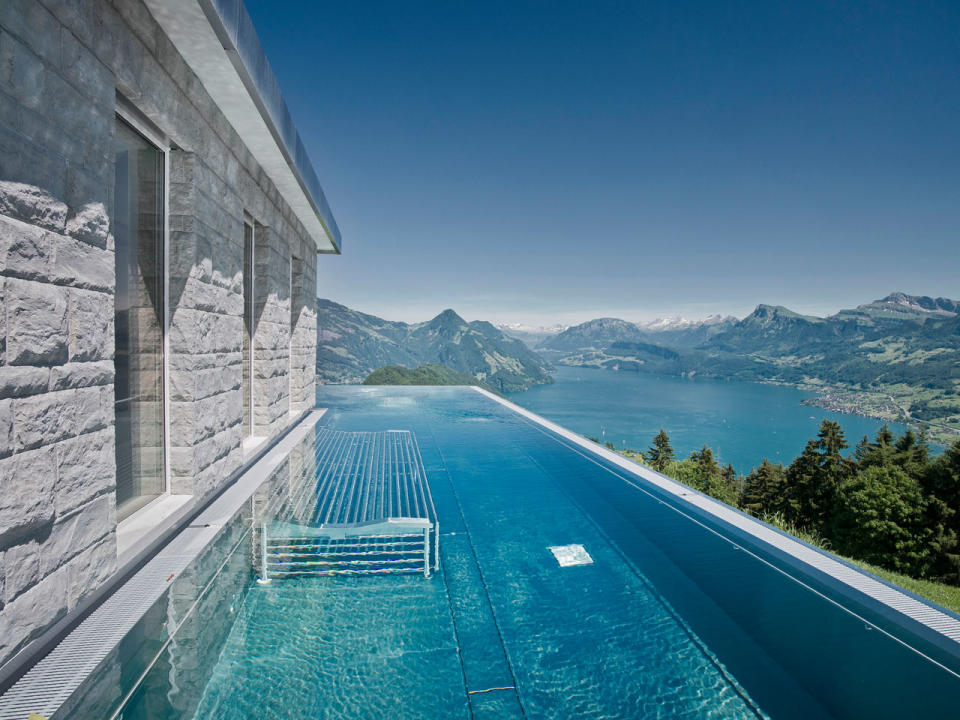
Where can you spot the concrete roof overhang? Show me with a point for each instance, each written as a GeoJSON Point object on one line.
{"type": "Point", "coordinates": [218, 41]}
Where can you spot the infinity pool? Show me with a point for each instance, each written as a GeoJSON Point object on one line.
{"type": "Point", "coordinates": [677, 616]}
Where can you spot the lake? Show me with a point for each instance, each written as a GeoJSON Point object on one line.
{"type": "Point", "coordinates": [743, 422]}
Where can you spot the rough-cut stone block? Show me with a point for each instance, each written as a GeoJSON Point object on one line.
{"type": "Point", "coordinates": [124, 53]}
{"type": "Point", "coordinates": [214, 414]}
{"type": "Point", "coordinates": [81, 374]}
{"type": "Point", "coordinates": [88, 124]}
{"type": "Point", "coordinates": [90, 224]}
{"type": "Point", "coordinates": [34, 24]}
{"type": "Point", "coordinates": [211, 478]}
{"type": "Point", "coordinates": [21, 381]}
{"type": "Point", "coordinates": [36, 323]}
{"type": "Point", "coordinates": [91, 326]}
{"type": "Point", "coordinates": [218, 380]}
{"type": "Point", "coordinates": [26, 251]}
{"type": "Point", "coordinates": [45, 133]}
{"type": "Point", "coordinates": [203, 332]}
{"type": "Point", "coordinates": [22, 568]}
{"type": "Point", "coordinates": [183, 422]}
{"type": "Point", "coordinates": [86, 468]}
{"type": "Point", "coordinates": [90, 569]}
{"type": "Point", "coordinates": [78, 531]}
{"type": "Point", "coordinates": [214, 448]}
{"type": "Point", "coordinates": [26, 484]}
{"type": "Point", "coordinates": [211, 298]}
{"type": "Point", "coordinates": [33, 612]}
{"type": "Point", "coordinates": [86, 266]}
{"type": "Point", "coordinates": [6, 427]}
{"type": "Point", "coordinates": [3, 322]}
{"type": "Point", "coordinates": [22, 73]}
{"type": "Point", "coordinates": [86, 186]}
{"type": "Point", "coordinates": [32, 205]}
{"type": "Point", "coordinates": [42, 419]}
{"type": "Point", "coordinates": [26, 162]}
{"type": "Point", "coordinates": [85, 72]}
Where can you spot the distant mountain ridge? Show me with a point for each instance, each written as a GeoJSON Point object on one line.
{"type": "Point", "coordinates": [674, 332]}
{"type": "Point", "coordinates": [352, 344]}
{"type": "Point", "coordinates": [532, 335]}
{"type": "Point", "coordinates": [903, 347]}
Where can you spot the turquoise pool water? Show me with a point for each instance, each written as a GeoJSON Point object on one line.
{"type": "Point", "coordinates": [673, 619]}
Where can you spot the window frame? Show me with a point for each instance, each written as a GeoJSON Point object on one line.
{"type": "Point", "coordinates": [126, 112]}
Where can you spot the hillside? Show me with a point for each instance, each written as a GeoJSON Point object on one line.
{"type": "Point", "coordinates": [423, 375]}
{"type": "Point", "coordinates": [351, 345]}
{"type": "Point", "coordinates": [592, 334]}
{"type": "Point", "coordinates": [897, 357]}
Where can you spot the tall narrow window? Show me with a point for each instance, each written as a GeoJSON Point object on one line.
{"type": "Point", "coordinates": [248, 304]}
{"type": "Point", "coordinates": [138, 229]}
{"type": "Point", "coordinates": [295, 354]}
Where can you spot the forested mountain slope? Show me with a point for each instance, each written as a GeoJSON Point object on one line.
{"type": "Point", "coordinates": [351, 345]}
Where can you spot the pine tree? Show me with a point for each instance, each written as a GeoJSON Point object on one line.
{"type": "Point", "coordinates": [661, 453]}
{"type": "Point", "coordinates": [763, 489]}
{"type": "Point", "coordinates": [862, 450]}
{"type": "Point", "coordinates": [707, 467]}
{"type": "Point", "coordinates": [879, 453]}
{"type": "Point", "coordinates": [816, 475]}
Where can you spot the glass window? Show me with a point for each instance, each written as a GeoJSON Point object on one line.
{"type": "Point", "coordinates": [138, 319]}
{"type": "Point", "coordinates": [247, 329]}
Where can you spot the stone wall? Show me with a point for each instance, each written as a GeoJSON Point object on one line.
{"type": "Point", "coordinates": [57, 475]}
{"type": "Point", "coordinates": [62, 62]}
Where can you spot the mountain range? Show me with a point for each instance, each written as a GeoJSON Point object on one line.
{"type": "Point", "coordinates": [352, 344]}
{"type": "Point", "coordinates": [896, 358]}
{"type": "Point", "coordinates": [532, 335]}
{"type": "Point", "coordinates": [902, 345]}
{"type": "Point", "coordinates": [672, 332]}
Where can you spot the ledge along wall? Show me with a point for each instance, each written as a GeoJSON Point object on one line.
{"type": "Point", "coordinates": [62, 65]}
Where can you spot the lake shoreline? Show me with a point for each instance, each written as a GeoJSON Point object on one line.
{"type": "Point", "coordinates": [834, 398]}
{"type": "Point", "coordinates": [742, 421]}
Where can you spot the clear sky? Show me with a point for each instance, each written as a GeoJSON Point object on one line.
{"type": "Point", "coordinates": [551, 161]}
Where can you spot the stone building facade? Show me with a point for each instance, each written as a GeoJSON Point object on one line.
{"type": "Point", "coordinates": [135, 184]}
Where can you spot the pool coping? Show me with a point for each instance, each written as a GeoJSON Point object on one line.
{"type": "Point", "coordinates": [940, 621]}
{"type": "Point", "coordinates": [50, 683]}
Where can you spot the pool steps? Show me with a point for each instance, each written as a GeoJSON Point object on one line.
{"type": "Point", "coordinates": [363, 507]}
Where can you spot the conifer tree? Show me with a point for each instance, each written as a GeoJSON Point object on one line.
{"type": "Point", "coordinates": [879, 453]}
{"type": "Point", "coordinates": [763, 489]}
{"type": "Point", "coordinates": [816, 476]}
{"type": "Point", "coordinates": [660, 453]}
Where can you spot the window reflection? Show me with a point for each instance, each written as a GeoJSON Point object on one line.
{"type": "Point", "coordinates": [138, 320]}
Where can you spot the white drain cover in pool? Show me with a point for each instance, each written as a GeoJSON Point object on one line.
{"type": "Point", "coordinates": [570, 555]}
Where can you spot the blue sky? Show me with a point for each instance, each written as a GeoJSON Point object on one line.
{"type": "Point", "coordinates": [550, 162]}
